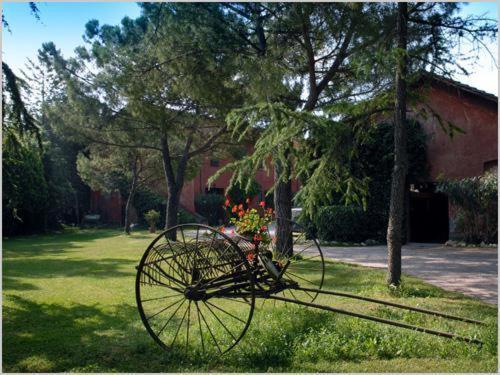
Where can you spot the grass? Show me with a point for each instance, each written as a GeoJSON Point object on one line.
{"type": "Point", "coordinates": [69, 305]}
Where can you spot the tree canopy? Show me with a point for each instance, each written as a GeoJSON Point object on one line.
{"type": "Point", "coordinates": [184, 79]}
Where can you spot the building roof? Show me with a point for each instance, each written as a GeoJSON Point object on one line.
{"type": "Point", "coordinates": [461, 86]}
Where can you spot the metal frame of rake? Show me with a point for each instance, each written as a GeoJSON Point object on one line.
{"type": "Point", "coordinates": [199, 291]}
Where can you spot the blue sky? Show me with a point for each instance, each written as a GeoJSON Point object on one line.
{"type": "Point", "coordinates": [63, 24]}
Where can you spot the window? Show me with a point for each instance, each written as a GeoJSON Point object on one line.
{"type": "Point", "coordinates": [214, 190]}
{"type": "Point", "coordinates": [214, 162]}
{"type": "Point", "coordinates": [491, 166]}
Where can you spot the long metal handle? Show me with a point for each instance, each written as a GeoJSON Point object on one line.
{"type": "Point", "coordinates": [381, 320]}
{"type": "Point", "coordinates": [382, 302]}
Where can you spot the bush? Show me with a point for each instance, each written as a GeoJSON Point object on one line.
{"type": "Point", "coordinates": [375, 160]}
{"type": "Point", "coordinates": [146, 200]}
{"type": "Point", "coordinates": [342, 224]}
{"type": "Point", "coordinates": [25, 194]}
{"type": "Point", "coordinates": [152, 217]}
{"type": "Point", "coordinates": [476, 201]}
{"type": "Point", "coordinates": [211, 206]}
{"type": "Point", "coordinates": [184, 217]}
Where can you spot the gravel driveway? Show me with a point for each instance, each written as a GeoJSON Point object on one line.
{"type": "Point", "coordinates": [472, 271]}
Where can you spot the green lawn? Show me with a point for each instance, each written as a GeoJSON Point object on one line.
{"type": "Point", "coordinates": [69, 305]}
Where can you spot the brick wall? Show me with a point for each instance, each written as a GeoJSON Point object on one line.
{"type": "Point", "coordinates": [464, 155]}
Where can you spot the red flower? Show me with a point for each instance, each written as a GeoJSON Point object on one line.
{"type": "Point", "coordinates": [222, 229]}
{"type": "Point", "coordinates": [270, 210]}
{"type": "Point", "coordinates": [227, 203]}
{"type": "Point", "coordinates": [262, 204]}
{"type": "Point", "coordinates": [240, 207]}
{"type": "Point", "coordinates": [257, 237]}
{"type": "Point", "coordinates": [235, 208]}
{"type": "Point", "coordinates": [263, 228]}
{"type": "Point", "coordinates": [241, 213]}
{"type": "Point", "coordinates": [250, 257]}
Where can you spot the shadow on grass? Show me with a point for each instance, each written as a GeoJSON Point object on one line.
{"type": "Point", "coordinates": [82, 338]}
{"type": "Point", "coordinates": [10, 283]}
{"type": "Point", "coordinates": [44, 268]}
{"type": "Point", "coordinates": [52, 337]}
{"type": "Point", "coordinates": [50, 244]}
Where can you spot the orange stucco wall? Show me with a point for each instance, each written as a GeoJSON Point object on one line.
{"type": "Point", "coordinates": [198, 184]}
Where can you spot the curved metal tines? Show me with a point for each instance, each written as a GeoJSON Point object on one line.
{"type": "Point", "coordinates": [192, 284]}
{"type": "Point", "coordinates": [186, 263]}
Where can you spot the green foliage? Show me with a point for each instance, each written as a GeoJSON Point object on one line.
{"type": "Point", "coordinates": [145, 200]}
{"type": "Point", "coordinates": [342, 224]}
{"type": "Point", "coordinates": [237, 194]}
{"type": "Point", "coordinates": [185, 217]}
{"type": "Point", "coordinates": [28, 123]}
{"type": "Point", "coordinates": [106, 174]}
{"type": "Point", "coordinates": [152, 217]}
{"type": "Point", "coordinates": [374, 161]}
{"type": "Point", "coordinates": [65, 189]}
{"type": "Point", "coordinates": [24, 190]}
{"type": "Point", "coordinates": [476, 200]}
{"type": "Point", "coordinates": [17, 121]}
{"type": "Point", "coordinates": [161, 83]}
{"type": "Point", "coordinates": [211, 206]}
{"type": "Point", "coordinates": [280, 127]}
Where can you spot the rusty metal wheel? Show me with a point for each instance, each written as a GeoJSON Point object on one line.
{"type": "Point", "coordinates": [196, 293]}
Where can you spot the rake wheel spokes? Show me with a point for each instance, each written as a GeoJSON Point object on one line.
{"type": "Point", "coordinates": [186, 290]}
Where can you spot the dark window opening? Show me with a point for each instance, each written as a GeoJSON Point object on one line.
{"type": "Point", "coordinates": [490, 166]}
{"type": "Point", "coordinates": [214, 190]}
{"type": "Point", "coordinates": [214, 162]}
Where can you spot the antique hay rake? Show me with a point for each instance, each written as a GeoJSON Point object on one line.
{"type": "Point", "coordinates": [201, 289]}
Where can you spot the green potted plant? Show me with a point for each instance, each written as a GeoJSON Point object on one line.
{"type": "Point", "coordinates": [152, 217]}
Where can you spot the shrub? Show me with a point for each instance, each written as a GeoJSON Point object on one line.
{"type": "Point", "coordinates": [211, 206]}
{"type": "Point", "coordinates": [152, 217]}
{"type": "Point", "coordinates": [25, 192]}
{"type": "Point", "coordinates": [341, 223]}
{"type": "Point", "coordinates": [476, 201]}
{"type": "Point", "coordinates": [146, 200]}
{"type": "Point", "coordinates": [375, 160]}
{"type": "Point", "coordinates": [184, 217]}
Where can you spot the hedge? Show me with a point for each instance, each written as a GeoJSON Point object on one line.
{"type": "Point", "coordinates": [211, 206]}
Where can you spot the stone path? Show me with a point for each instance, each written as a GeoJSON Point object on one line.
{"type": "Point", "coordinates": [472, 271]}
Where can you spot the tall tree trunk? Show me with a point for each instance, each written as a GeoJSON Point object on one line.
{"type": "Point", "coordinates": [398, 185]}
{"type": "Point", "coordinates": [130, 198]}
{"type": "Point", "coordinates": [172, 208]}
{"type": "Point", "coordinates": [283, 211]}
{"type": "Point", "coordinates": [174, 183]}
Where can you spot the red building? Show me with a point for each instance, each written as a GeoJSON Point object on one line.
{"type": "Point", "coordinates": [199, 184]}
{"type": "Point", "coordinates": [108, 205]}
{"type": "Point", "coordinates": [466, 154]}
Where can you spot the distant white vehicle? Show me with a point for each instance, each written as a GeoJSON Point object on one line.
{"type": "Point", "coordinates": [296, 212]}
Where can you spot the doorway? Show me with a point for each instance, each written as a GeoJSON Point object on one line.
{"type": "Point", "coordinates": [428, 217]}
